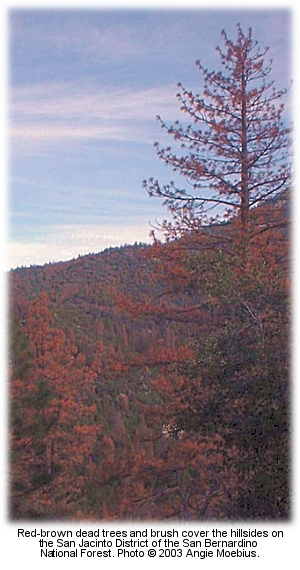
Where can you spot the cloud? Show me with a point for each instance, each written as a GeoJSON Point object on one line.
{"type": "Point", "coordinates": [44, 132]}
{"type": "Point", "coordinates": [88, 39]}
{"type": "Point", "coordinates": [106, 36]}
{"type": "Point", "coordinates": [67, 242]}
{"type": "Point", "coordinates": [71, 101]}
{"type": "Point", "coordinates": [87, 35]}
{"type": "Point", "coordinates": [55, 112]}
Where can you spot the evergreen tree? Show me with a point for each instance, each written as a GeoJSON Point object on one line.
{"type": "Point", "coordinates": [236, 149]}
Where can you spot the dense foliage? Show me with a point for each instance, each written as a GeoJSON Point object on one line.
{"type": "Point", "coordinates": [152, 382]}
{"type": "Point", "coordinates": [174, 404]}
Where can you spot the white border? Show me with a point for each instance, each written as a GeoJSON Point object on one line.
{"type": "Point", "coordinates": [14, 551]}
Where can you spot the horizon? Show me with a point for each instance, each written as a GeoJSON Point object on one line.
{"type": "Point", "coordinates": [80, 256]}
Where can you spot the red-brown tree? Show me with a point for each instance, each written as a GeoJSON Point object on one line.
{"type": "Point", "coordinates": [181, 411]}
{"type": "Point", "coordinates": [236, 150]}
{"type": "Point", "coordinates": [226, 280]}
{"type": "Point", "coordinates": [52, 424]}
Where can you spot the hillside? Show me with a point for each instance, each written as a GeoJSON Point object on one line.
{"type": "Point", "coordinates": [81, 293]}
{"type": "Point", "coordinates": [152, 382]}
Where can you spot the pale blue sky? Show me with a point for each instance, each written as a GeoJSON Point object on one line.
{"type": "Point", "coordinates": [85, 87]}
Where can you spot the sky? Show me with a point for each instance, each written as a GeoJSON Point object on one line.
{"type": "Point", "coordinates": [84, 89]}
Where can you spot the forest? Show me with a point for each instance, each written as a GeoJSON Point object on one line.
{"type": "Point", "coordinates": [152, 382]}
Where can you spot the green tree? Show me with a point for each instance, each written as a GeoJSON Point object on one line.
{"type": "Point", "coordinates": [229, 281]}
{"type": "Point", "coordinates": [52, 433]}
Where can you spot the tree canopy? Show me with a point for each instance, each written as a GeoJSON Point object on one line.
{"type": "Point", "coordinates": [153, 382]}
